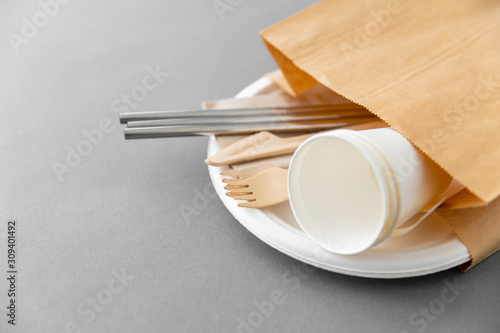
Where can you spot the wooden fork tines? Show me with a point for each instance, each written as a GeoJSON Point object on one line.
{"type": "Point", "coordinates": [264, 189]}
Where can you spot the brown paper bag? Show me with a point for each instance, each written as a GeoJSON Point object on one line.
{"type": "Point", "coordinates": [430, 70]}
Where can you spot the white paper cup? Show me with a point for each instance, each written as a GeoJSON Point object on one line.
{"type": "Point", "coordinates": [349, 190]}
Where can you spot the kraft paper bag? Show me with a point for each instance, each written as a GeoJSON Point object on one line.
{"type": "Point", "coordinates": [431, 70]}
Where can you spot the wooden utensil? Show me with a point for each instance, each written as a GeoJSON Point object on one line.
{"type": "Point", "coordinates": [265, 144]}
{"type": "Point", "coordinates": [265, 189]}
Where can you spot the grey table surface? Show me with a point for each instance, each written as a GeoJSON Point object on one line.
{"type": "Point", "coordinates": [104, 243]}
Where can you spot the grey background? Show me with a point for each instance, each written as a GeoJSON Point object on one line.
{"type": "Point", "coordinates": [121, 209]}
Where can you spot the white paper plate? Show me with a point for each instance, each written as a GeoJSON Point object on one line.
{"type": "Point", "coordinates": [429, 248]}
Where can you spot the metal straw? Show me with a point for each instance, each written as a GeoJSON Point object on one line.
{"type": "Point", "coordinates": [274, 111]}
{"type": "Point", "coordinates": [160, 124]}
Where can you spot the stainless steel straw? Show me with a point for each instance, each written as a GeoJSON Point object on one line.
{"type": "Point", "coordinates": [156, 124]}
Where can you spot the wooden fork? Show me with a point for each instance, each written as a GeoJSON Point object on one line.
{"type": "Point", "coordinates": [264, 189]}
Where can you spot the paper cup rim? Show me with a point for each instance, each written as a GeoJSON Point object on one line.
{"type": "Point", "coordinates": [378, 174]}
